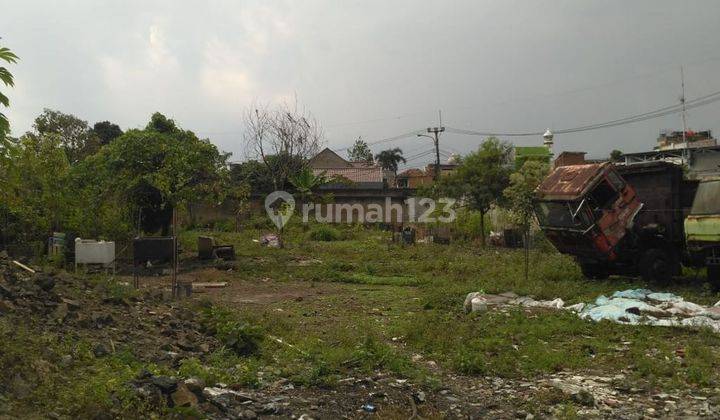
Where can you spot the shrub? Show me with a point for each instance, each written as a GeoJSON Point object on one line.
{"type": "Point", "coordinates": [325, 233]}
{"type": "Point", "coordinates": [244, 339]}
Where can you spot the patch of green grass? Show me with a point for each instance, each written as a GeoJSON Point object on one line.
{"type": "Point", "coordinates": [224, 366]}
{"type": "Point", "coordinates": [324, 233]}
{"type": "Point", "coordinates": [241, 337]}
{"type": "Point", "coordinates": [425, 285]}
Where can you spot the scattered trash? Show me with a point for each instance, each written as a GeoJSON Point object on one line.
{"type": "Point", "coordinates": [271, 241]}
{"type": "Point", "coordinates": [642, 306]}
{"type": "Point", "coordinates": [368, 408]}
{"type": "Point", "coordinates": [634, 306]}
{"type": "Point", "coordinates": [479, 301]}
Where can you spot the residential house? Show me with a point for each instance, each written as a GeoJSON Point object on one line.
{"type": "Point", "coordinates": [363, 175]}
{"type": "Point", "coordinates": [414, 177]}
{"type": "Point", "coordinates": [359, 183]}
{"type": "Point", "coordinates": [698, 152]}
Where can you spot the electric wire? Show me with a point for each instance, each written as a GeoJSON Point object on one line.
{"type": "Point", "coordinates": [660, 112]}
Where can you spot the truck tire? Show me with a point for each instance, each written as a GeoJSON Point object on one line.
{"type": "Point", "coordinates": [594, 271]}
{"type": "Point", "coordinates": [713, 276]}
{"type": "Point", "coordinates": [656, 266]}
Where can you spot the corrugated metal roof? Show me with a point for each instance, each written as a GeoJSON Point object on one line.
{"type": "Point", "coordinates": [368, 174]}
{"type": "Point", "coordinates": [570, 182]}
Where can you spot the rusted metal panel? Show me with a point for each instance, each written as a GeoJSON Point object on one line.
{"type": "Point", "coordinates": [570, 182]}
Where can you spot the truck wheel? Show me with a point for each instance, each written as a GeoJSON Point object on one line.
{"type": "Point", "coordinates": [713, 276]}
{"type": "Point", "coordinates": [656, 266]}
{"type": "Point", "coordinates": [594, 271]}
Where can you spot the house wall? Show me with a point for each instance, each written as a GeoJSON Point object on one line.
{"type": "Point", "coordinates": [569, 159]}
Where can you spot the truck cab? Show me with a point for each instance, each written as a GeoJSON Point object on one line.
{"type": "Point", "coordinates": [586, 211]}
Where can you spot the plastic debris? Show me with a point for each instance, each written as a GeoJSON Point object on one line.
{"type": "Point", "coordinates": [369, 408]}
{"type": "Point", "coordinates": [632, 294]}
{"type": "Point", "coordinates": [271, 241]}
{"type": "Point", "coordinates": [642, 306]}
{"type": "Point", "coordinates": [633, 307]}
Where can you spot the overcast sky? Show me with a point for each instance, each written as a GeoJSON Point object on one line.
{"type": "Point", "coordinates": [374, 69]}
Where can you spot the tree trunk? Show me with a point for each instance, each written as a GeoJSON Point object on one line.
{"type": "Point", "coordinates": [527, 253]}
{"type": "Point", "coordinates": [482, 228]}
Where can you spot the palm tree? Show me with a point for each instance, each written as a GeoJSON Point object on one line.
{"type": "Point", "coordinates": [305, 182]}
{"type": "Point", "coordinates": [7, 78]}
{"type": "Point", "coordinates": [390, 159]}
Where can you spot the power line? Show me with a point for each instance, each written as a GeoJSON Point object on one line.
{"type": "Point", "coordinates": [657, 113]}
{"type": "Point", "coordinates": [385, 140]}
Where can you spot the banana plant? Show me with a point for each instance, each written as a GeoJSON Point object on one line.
{"type": "Point", "coordinates": [7, 78]}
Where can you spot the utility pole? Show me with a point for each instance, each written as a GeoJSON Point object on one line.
{"type": "Point", "coordinates": [682, 101]}
{"type": "Point", "coordinates": [436, 131]}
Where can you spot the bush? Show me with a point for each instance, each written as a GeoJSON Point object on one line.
{"type": "Point", "coordinates": [224, 225]}
{"type": "Point", "coordinates": [325, 233]}
{"type": "Point", "coordinates": [244, 339]}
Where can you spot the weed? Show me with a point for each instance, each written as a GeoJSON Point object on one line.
{"type": "Point", "coordinates": [324, 233]}
{"type": "Point", "coordinates": [243, 338]}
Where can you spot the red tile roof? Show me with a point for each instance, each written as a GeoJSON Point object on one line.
{"type": "Point", "coordinates": [413, 172]}
{"type": "Point", "coordinates": [367, 174]}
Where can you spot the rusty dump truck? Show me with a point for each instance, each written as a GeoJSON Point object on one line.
{"type": "Point", "coordinates": [620, 219]}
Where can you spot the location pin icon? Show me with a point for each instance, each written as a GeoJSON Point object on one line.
{"type": "Point", "coordinates": [279, 206]}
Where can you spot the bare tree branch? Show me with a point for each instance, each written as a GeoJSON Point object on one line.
{"type": "Point", "coordinates": [281, 137]}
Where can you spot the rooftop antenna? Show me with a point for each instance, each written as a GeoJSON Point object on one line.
{"type": "Point", "coordinates": [682, 101]}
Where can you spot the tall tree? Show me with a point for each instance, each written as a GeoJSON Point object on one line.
{"type": "Point", "coordinates": [281, 137]}
{"type": "Point", "coordinates": [160, 168]}
{"type": "Point", "coordinates": [38, 187]}
{"type": "Point", "coordinates": [360, 152]}
{"type": "Point", "coordinates": [106, 131]}
{"type": "Point", "coordinates": [480, 179]}
{"type": "Point", "coordinates": [75, 134]}
{"type": "Point", "coordinates": [7, 78]}
{"type": "Point", "coordinates": [390, 159]}
{"type": "Point", "coordinates": [616, 155]}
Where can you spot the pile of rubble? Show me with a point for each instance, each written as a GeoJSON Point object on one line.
{"type": "Point", "coordinates": [153, 327]}
{"type": "Point", "coordinates": [219, 400]}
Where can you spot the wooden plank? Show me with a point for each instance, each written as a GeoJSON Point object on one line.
{"type": "Point", "coordinates": [23, 266]}
{"type": "Point", "coordinates": [210, 285]}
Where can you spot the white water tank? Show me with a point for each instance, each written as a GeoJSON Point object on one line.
{"type": "Point", "coordinates": [90, 251]}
